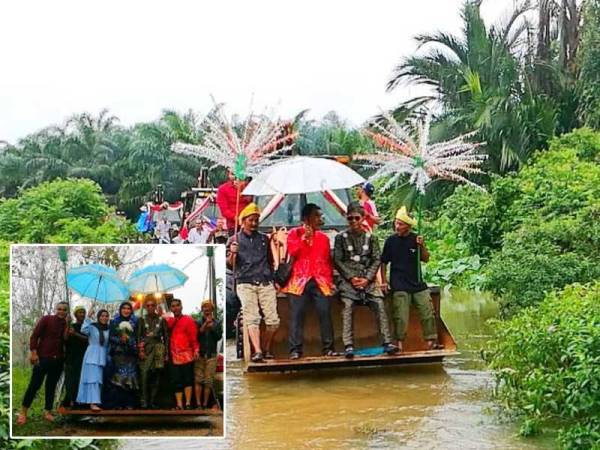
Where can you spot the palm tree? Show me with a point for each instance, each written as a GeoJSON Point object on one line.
{"type": "Point", "coordinates": [47, 156]}
{"type": "Point", "coordinates": [91, 139]}
{"type": "Point", "coordinates": [149, 160]}
{"type": "Point", "coordinates": [85, 147]}
{"type": "Point", "coordinates": [478, 80]}
{"type": "Point", "coordinates": [328, 136]}
{"type": "Point", "coordinates": [181, 128]}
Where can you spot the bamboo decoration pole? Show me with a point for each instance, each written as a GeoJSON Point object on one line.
{"type": "Point", "coordinates": [419, 232]}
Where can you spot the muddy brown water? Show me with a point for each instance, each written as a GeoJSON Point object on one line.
{"type": "Point", "coordinates": [422, 407]}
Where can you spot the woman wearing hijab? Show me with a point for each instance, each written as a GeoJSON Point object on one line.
{"type": "Point", "coordinates": [94, 360]}
{"type": "Point", "coordinates": [121, 375]}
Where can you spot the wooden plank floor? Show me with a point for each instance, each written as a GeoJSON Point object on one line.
{"type": "Point", "coordinates": [325, 362]}
{"type": "Point", "coordinates": [139, 412]}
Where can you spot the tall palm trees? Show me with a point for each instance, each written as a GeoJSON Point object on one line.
{"type": "Point", "coordinates": [126, 163]}
{"type": "Point", "coordinates": [82, 148]}
{"type": "Point", "coordinates": [149, 160]}
{"type": "Point", "coordinates": [495, 79]}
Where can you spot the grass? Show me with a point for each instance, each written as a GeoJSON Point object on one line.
{"type": "Point", "coordinates": [35, 426]}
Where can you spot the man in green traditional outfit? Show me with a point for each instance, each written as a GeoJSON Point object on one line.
{"type": "Point", "coordinates": [356, 257]}
{"type": "Point", "coordinates": [152, 344]}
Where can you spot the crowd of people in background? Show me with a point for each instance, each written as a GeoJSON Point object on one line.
{"type": "Point", "coordinates": [199, 229]}
{"type": "Point", "coordinates": [118, 363]}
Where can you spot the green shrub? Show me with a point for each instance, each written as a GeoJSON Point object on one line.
{"type": "Point", "coordinates": [62, 211]}
{"type": "Point", "coordinates": [532, 232]}
{"type": "Point", "coordinates": [558, 183]}
{"type": "Point", "coordinates": [451, 264]}
{"type": "Point", "coordinates": [585, 142]}
{"type": "Point", "coordinates": [547, 365]}
{"type": "Point", "coordinates": [545, 256]}
{"type": "Point", "coordinates": [471, 217]}
{"type": "Point", "coordinates": [552, 235]}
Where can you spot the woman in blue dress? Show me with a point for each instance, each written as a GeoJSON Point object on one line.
{"type": "Point", "coordinates": [94, 360]}
{"type": "Point", "coordinates": [120, 389]}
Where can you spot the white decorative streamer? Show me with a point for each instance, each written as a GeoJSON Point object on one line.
{"type": "Point", "coordinates": [399, 155]}
{"type": "Point", "coordinates": [223, 143]}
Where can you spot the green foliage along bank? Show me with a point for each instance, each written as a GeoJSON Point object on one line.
{"type": "Point", "coordinates": [534, 231]}
{"type": "Point", "coordinates": [536, 236]}
{"type": "Point", "coordinates": [547, 365]}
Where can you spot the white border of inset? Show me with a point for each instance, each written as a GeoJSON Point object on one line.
{"type": "Point", "coordinates": [11, 412]}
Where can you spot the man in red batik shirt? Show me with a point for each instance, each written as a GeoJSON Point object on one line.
{"type": "Point", "coordinates": [183, 351]}
{"type": "Point", "coordinates": [227, 198]}
{"type": "Point", "coordinates": [311, 279]}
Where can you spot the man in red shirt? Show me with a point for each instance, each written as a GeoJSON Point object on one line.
{"type": "Point", "coordinates": [183, 350]}
{"type": "Point", "coordinates": [47, 357]}
{"type": "Point", "coordinates": [227, 198]}
{"type": "Point", "coordinates": [311, 279]}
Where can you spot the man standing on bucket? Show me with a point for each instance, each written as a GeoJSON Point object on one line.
{"type": "Point", "coordinates": [400, 251]}
{"type": "Point", "coordinates": [249, 253]}
{"type": "Point", "coordinates": [311, 280]}
{"type": "Point", "coordinates": [227, 199]}
{"type": "Point", "coordinates": [47, 358]}
{"type": "Point", "coordinates": [356, 257]}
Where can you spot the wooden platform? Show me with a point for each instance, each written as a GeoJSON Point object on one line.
{"type": "Point", "coordinates": [324, 362]}
{"type": "Point", "coordinates": [138, 412]}
{"type": "Point", "coordinates": [366, 335]}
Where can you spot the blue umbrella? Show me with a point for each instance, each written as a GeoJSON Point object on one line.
{"type": "Point", "coordinates": [156, 278]}
{"type": "Point", "coordinates": [97, 282]}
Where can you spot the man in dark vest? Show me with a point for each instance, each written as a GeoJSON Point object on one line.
{"type": "Point", "coordinates": [249, 251]}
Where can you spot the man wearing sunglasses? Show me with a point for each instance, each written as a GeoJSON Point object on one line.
{"type": "Point", "coordinates": [356, 257]}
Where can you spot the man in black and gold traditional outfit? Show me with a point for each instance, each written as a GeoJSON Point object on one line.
{"type": "Point", "coordinates": [357, 258]}
{"type": "Point", "coordinates": [152, 343]}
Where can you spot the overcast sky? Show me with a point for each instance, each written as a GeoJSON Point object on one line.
{"type": "Point", "coordinates": [192, 261]}
{"type": "Point", "coordinates": [138, 57]}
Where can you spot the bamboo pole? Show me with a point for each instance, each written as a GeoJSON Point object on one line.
{"type": "Point", "coordinates": [419, 231]}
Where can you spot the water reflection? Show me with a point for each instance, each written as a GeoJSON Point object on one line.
{"type": "Point", "coordinates": [413, 407]}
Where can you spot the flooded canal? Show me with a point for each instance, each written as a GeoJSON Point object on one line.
{"type": "Point", "coordinates": [426, 407]}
